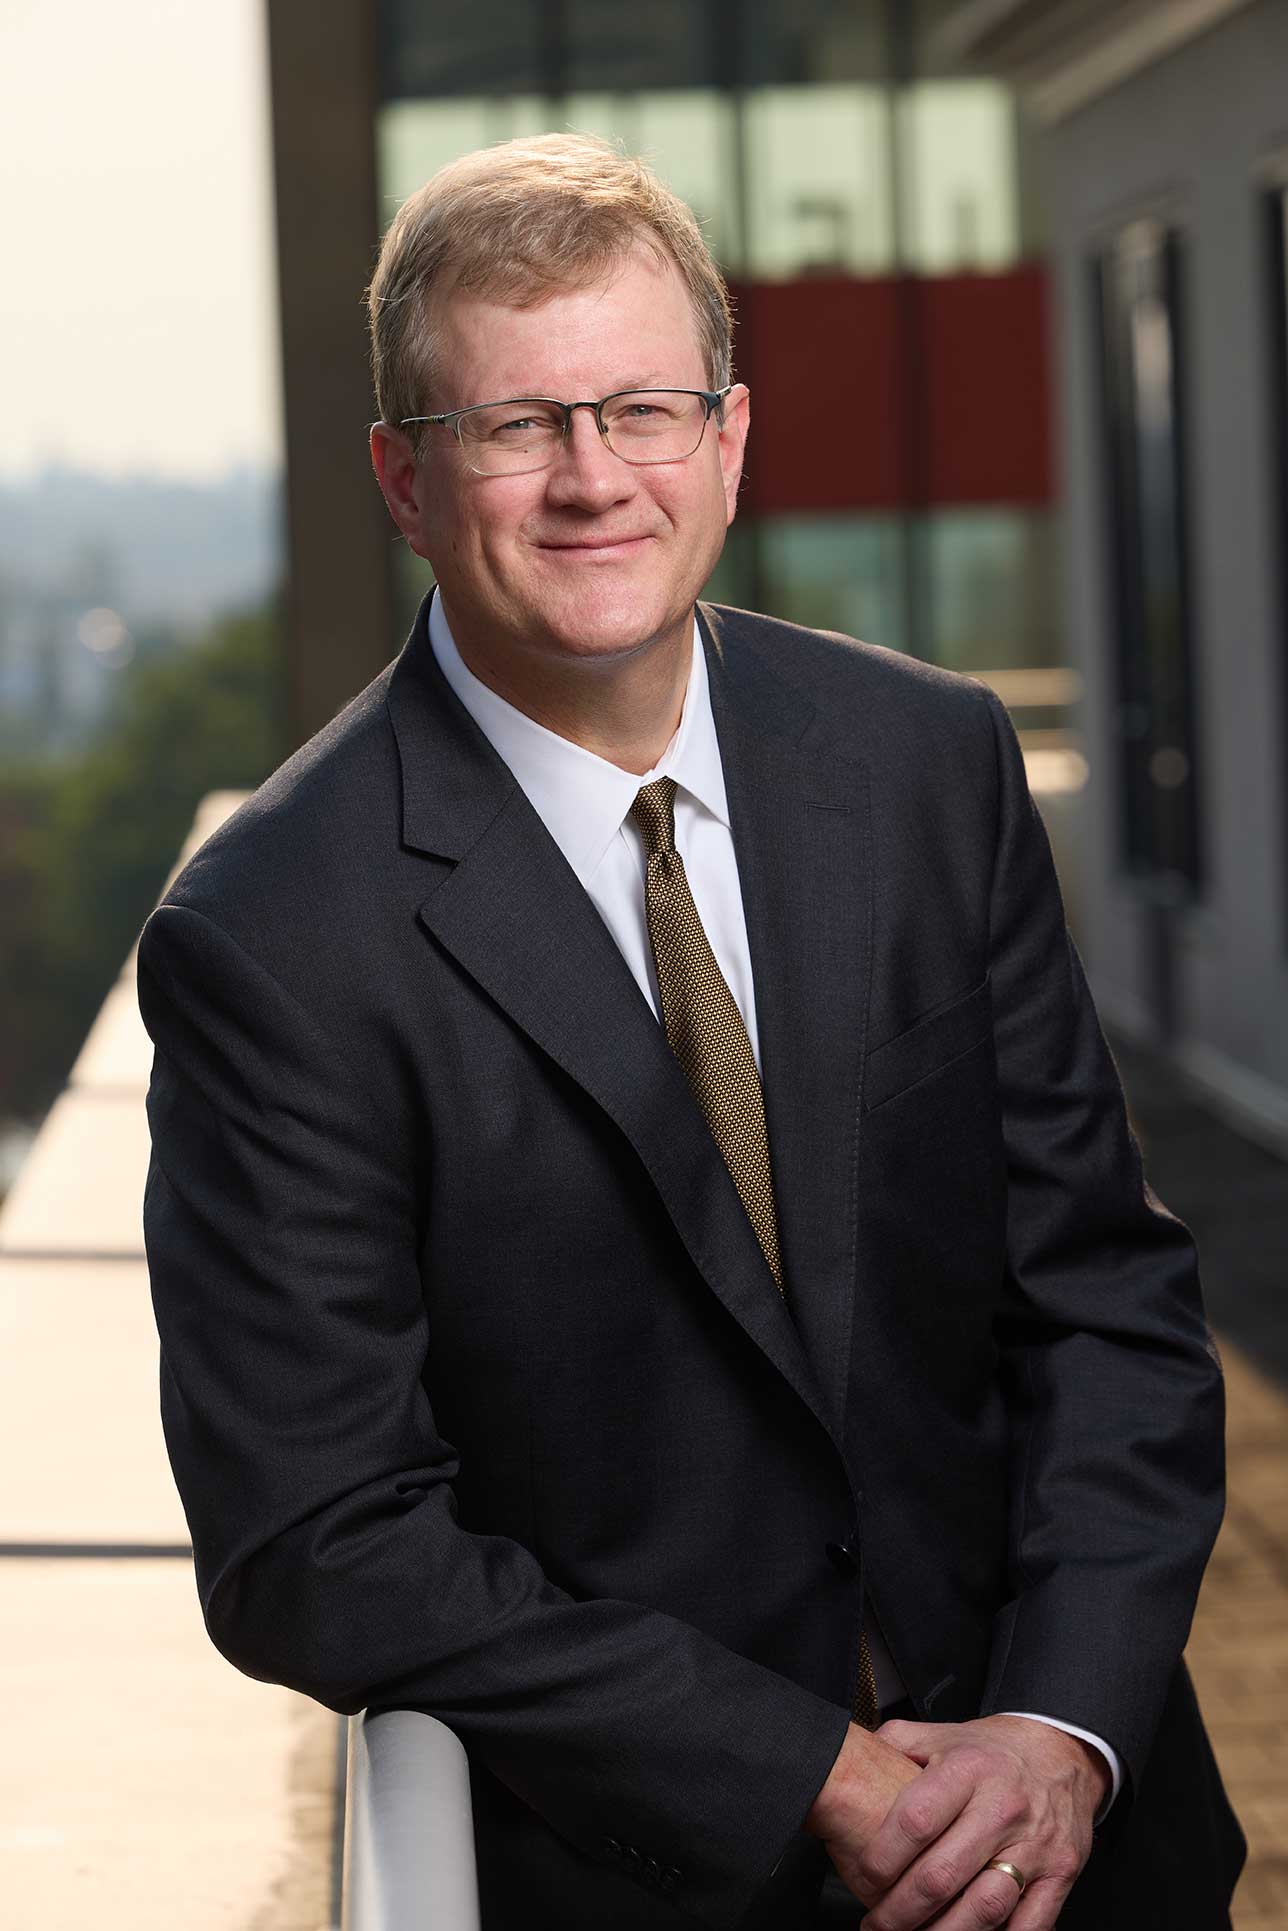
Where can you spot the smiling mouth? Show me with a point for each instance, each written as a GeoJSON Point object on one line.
{"type": "Point", "coordinates": [590, 546]}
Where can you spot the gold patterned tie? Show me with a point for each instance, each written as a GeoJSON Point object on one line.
{"type": "Point", "coordinates": [706, 1032]}
{"type": "Point", "coordinates": [703, 1024]}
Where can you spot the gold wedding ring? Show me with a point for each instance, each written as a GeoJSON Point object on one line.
{"type": "Point", "coordinates": [1012, 1870]}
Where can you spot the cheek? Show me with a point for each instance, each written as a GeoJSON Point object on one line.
{"type": "Point", "coordinates": [477, 535]}
{"type": "Point", "coordinates": [695, 504]}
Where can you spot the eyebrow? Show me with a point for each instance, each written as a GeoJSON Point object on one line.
{"type": "Point", "coordinates": [638, 382]}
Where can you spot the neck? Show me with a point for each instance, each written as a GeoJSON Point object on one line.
{"type": "Point", "coordinates": [625, 708]}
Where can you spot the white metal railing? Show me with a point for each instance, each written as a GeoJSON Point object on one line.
{"type": "Point", "coordinates": [408, 1862]}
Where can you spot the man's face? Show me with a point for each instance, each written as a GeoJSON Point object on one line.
{"type": "Point", "coordinates": [592, 557]}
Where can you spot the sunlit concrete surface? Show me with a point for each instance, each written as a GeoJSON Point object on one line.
{"type": "Point", "coordinates": [146, 1784]}
{"type": "Point", "coordinates": [117, 1053]}
{"type": "Point", "coordinates": [78, 1406]}
{"type": "Point", "coordinates": [80, 1189]}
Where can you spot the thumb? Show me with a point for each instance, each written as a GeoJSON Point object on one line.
{"type": "Point", "coordinates": [919, 1741]}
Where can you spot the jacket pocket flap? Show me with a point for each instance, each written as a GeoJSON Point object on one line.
{"type": "Point", "coordinates": [928, 1044]}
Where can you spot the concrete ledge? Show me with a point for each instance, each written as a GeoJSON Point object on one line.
{"type": "Point", "coordinates": [145, 1783]}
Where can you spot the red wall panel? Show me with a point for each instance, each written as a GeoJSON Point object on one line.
{"type": "Point", "coordinates": [896, 393]}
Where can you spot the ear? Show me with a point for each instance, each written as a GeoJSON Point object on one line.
{"type": "Point", "coordinates": [733, 441]}
{"type": "Point", "coordinates": [398, 475]}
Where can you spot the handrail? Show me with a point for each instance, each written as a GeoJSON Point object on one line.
{"type": "Point", "coordinates": [408, 1862]}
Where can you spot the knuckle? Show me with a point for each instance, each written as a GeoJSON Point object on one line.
{"type": "Point", "coordinates": [1064, 1864]}
{"type": "Point", "coordinates": [989, 1905]}
{"type": "Point", "coordinates": [1012, 1808]}
{"type": "Point", "coordinates": [875, 1873]}
{"type": "Point", "coordinates": [936, 1881]}
{"type": "Point", "coordinates": [918, 1823]}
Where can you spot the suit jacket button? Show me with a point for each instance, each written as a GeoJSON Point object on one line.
{"type": "Point", "coordinates": [632, 1859]}
{"type": "Point", "coordinates": [670, 1877]}
{"type": "Point", "coordinates": [842, 1558]}
{"type": "Point", "coordinates": [652, 1870]}
{"type": "Point", "coordinates": [611, 1845]}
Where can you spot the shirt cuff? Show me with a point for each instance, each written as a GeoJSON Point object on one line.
{"type": "Point", "coordinates": [1106, 1750]}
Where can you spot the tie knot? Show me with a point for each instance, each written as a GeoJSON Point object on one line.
{"type": "Point", "coordinates": [654, 813]}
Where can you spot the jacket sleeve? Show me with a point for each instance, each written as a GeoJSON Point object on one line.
{"type": "Point", "coordinates": [281, 1239]}
{"type": "Point", "coordinates": [1112, 1381]}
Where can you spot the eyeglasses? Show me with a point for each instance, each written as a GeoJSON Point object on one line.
{"type": "Point", "coordinates": [526, 433]}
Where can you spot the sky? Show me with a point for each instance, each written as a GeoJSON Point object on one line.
{"type": "Point", "coordinates": [138, 324]}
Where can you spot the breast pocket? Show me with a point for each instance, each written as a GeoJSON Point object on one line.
{"type": "Point", "coordinates": [928, 1046]}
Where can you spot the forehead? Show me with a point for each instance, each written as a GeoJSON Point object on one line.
{"type": "Point", "coordinates": [634, 327]}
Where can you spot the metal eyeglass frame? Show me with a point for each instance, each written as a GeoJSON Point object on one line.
{"type": "Point", "coordinates": [711, 399]}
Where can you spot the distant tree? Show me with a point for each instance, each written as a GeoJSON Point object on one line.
{"type": "Point", "coordinates": [85, 845]}
{"type": "Point", "coordinates": [29, 1004]}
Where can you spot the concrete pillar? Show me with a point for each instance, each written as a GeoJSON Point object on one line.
{"type": "Point", "coordinates": [339, 620]}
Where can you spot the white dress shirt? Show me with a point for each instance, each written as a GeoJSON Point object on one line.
{"type": "Point", "coordinates": [584, 803]}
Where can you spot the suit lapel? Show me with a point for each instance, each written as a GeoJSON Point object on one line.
{"type": "Point", "coordinates": [799, 814]}
{"type": "Point", "coordinates": [513, 914]}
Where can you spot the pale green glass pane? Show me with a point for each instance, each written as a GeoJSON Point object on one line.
{"type": "Point", "coordinates": [958, 185]}
{"type": "Point", "coordinates": [414, 139]}
{"type": "Point", "coordinates": [511, 115]}
{"type": "Point", "coordinates": [818, 181]}
{"type": "Point", "coordinates": [685, 134]}
{"type": "Point", "coordinates": [992, 583]}
{"type": "Point", "coordinates": [837, 572]}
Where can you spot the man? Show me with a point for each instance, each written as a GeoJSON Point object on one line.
{"type": "Point", "coordinates": [650, 1261]}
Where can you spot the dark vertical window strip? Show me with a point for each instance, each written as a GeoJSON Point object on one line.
{"type": "Point", "coordinates": [1275, 206]}
{"type": "Point", "coordinates": [1185, 842]}
{"type": "Point", "coordinates": [1116, 468]}
{"type": "Point", "coordinates": [1148, 569]}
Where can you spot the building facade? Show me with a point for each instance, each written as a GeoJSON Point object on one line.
{"type": "Point", "coordinates": [869, 203]}
{"type": "Point", "coordinates": [1164, 139]}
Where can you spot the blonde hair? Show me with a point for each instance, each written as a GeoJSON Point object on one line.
{"type": "Point", "coordinates": [519, 222]}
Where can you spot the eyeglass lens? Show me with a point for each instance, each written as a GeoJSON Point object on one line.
{"type": "Point", "coordinates": [641, 426]}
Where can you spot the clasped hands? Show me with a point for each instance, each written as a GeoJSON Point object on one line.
{"type": "Point", "coordinates": [912, 1816]}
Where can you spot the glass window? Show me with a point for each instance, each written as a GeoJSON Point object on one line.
{"type": "Point", "coordinates": [818, 181]}
{"type": "Point", "coordinates": [804, 42]}
{"type": "Point", "coordinates": [833, 573]}
{"type": "Point", "coordinates": [991, 590]}
{"type": "Point", "coordinates": [491, 47]}
{"type": "Point", "coordinates": [687, 134]}
{"type": "Point", "coordinates": [1139, 319]}
{"type": "Point", "coordinates": [958, 175]}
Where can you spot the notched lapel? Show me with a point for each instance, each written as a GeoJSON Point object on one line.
{"type": "Point", "coordinates": [514, 916]}
{"type": "Point", "coordinates": [801, 824]}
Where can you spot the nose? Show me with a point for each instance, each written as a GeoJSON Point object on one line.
{"type": "Point", "coordinates": [585, 473]}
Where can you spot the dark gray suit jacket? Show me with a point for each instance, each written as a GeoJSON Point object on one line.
{"type": "Point", "coordinates": [479, 1392]}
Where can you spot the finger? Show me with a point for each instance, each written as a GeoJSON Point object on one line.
{"type": "Point", "coordinates": [991, 1898]}
{"type": "Point", "coordinates": [1040, 1907]}
{"type": "Point", "coordinates": [917, 1819]}
{"type": "Point", "coordinates": [954, 1868]}
{"type": "Point", "coordinates": [920, 1741]}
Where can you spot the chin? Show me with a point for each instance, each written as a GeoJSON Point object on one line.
{"type": "Point", "coordinates": [604, 622]}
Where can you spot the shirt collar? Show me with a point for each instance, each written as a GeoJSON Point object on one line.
{"type": "Point", "coordinates": [581, 798]}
